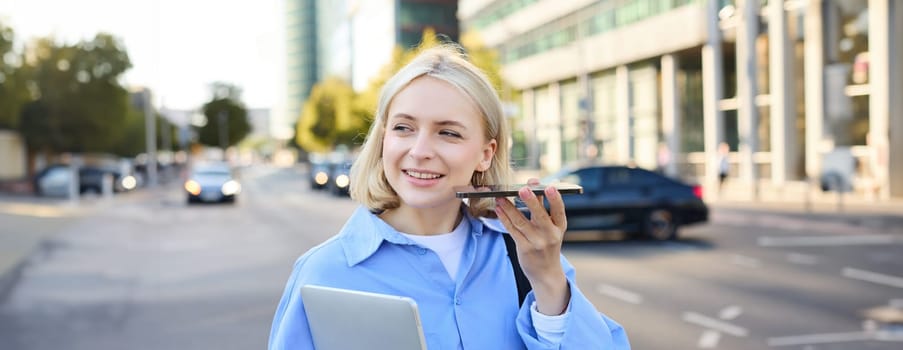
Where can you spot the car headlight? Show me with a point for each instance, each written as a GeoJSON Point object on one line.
{"type": "Point", "coordinates": [342, 181]}
{"type": "Point", "coordinates": [128, 182]}
{"type": "Point", "coordinates": [321, 178]}
{"type": "Point", "coordinates": [193, 187]}
{"type": "Point", "coordinates": [231, 187]}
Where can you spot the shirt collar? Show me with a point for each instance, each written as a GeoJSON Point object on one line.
{"type": "Point", "coordinates": [365, 232]}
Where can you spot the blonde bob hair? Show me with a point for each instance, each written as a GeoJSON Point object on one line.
{"type": "Point", "coordinates": [369, 185]}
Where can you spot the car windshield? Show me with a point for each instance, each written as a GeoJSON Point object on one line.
{"type": "Point", "coordinates": [212, 173]}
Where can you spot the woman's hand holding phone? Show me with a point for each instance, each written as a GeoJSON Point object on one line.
{"type": "Point", "coordinates": [538, 240]}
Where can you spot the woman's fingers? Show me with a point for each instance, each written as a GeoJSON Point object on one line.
{"type": "Point", "coordinates": [538, 212]}
{"type": "Point", "coordinates": [556, 208]}
{"type": "Point", "coordinates": [513, 220]}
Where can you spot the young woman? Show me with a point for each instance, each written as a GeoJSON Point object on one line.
{"type": "Point", "coordinates": [439, 124]}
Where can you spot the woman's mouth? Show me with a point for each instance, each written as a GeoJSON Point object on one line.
{"type": "Point", "coordinates": [422, 175]}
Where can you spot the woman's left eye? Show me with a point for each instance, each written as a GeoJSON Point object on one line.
{"type": "Point", "coordinates": [449, 133]}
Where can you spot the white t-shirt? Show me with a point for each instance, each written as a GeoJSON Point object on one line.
{"type": "Point", "coordinates": [448, 246]}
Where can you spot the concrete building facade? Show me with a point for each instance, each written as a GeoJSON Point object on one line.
{"type": "Point", "coordinates": [796, 88]}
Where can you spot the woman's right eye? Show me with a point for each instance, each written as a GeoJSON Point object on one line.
{"type": "Point", "coordinates": [401, 127]}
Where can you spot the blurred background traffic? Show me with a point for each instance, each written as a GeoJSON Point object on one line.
{"type": "Point", "coordinates": [799, 91]}
{"type": "Point", "coordinates": [737, 156]}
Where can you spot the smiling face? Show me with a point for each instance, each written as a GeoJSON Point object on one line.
{"type": "Point", "coordinates": [434, 140]}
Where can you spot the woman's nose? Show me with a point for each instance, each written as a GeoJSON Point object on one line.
{"type": "Point", "coordinates": [422, 147]}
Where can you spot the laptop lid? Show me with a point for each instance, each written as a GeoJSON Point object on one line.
{"type": "Point", "coordinates": [344, 319]}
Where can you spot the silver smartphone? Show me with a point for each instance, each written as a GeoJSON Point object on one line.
{"type": "Point", "coordinates": [511, 190]}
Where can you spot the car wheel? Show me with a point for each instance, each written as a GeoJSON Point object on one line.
{"type": "Point", "coordinates": [660, 225]}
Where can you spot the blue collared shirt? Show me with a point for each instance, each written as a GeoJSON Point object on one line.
{"type": "Point", "coordinates": [477, 310]}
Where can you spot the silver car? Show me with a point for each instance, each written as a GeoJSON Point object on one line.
{"type": "Point", "coordinates": [212, 182]}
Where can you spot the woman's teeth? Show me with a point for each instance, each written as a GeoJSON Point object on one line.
{"type": "Point", "coordinates": [425, 176]}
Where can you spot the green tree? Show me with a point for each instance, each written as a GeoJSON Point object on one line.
{"type": "Point", "coordinates": [134, 134]}
{"type": "Point", "coordinates": [13, 90]}
{"type": "Point", "coordinates": [225, 110]}
{"type": "Point", "coordinates": [328, 117]}
{"type": "Point", "coordinates": [80, 105]}
{"type": "Point", "coordinates": [132, 142]}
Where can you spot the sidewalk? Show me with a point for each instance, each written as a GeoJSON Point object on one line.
{"type": "Point", "coordinates": [808, 202]}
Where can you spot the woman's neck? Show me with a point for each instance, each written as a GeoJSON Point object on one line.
{"type": "Point", "coordinates": [423, 221]}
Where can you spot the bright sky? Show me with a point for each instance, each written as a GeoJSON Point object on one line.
{"type": "Point", "coordinates": [177, 47]}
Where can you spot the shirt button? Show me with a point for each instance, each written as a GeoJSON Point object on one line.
{"type": "Point", "coordinates": [457, 301]}
{"type": "Point", "coordinates": [421, 251]}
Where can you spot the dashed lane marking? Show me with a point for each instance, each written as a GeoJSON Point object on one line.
{"type": "Point", "coordinates": [714, 324]}
{"type": "Point", "coordinates": [709, 339]}
{"type": "Point", "coordinates": [873, 277]}
{"type": "Point", "coordinates": [619, 293]}
{"type": "Point", "coordinates": [730, 312]}
{"type": "Point", "coordinates": [802, 259]}
{"type": "Point", "coordinates": [745, 261]}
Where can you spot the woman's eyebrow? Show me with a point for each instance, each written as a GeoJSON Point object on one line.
{"type": "Point", "coordinates": [450, 123]}
{"type": "Point", "coordinates": [401, 116]}
{"type": "Point", "coordinates": [406, 116]}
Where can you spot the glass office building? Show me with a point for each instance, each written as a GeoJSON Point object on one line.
{"type": "Point", "coordinates": [301, 53]}
{"type": "Point", "coordinates": [796, 88]}
{"type": "Point", "coordinates": [354, 39]}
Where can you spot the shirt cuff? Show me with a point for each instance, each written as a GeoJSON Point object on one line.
{"type": "Point", "coordinates": [549, 328]}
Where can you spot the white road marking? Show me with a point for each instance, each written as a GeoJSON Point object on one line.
{"type": "Point", "coordinates": [820, 338]}
{"type": "Point", "coordinates": [714, 324]}
{"type": "Point", "coordinates": [730, 312]}
{"type": "Point", "coordinates": [709, 339]}
{"type": "Point", "coordinates": [825, 241]}
{"type": "Point", "coordinates": [802, 259]}
{"type": "Point", "coordinates": [618, 293]}
{"type": "Point", "coordinates": [873, 277]}
{"type": "Point", "coordinates": [745, 261]}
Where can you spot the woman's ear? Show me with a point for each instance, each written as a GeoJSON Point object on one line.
{"type": "Point", "coordinates": [488, 153]}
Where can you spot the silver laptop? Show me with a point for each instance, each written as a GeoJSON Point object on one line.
{"type": "Point", "coordinates": [343, 319]}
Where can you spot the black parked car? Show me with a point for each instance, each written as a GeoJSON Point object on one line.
{"type": "Point", "coordinates": [630, 199]}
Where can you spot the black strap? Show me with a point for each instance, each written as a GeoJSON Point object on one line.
{"type": "Point", "coordinates": [523, 285]}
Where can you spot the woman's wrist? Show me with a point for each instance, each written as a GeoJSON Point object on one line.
{"type": "Point", "coordinates": [552, 295]}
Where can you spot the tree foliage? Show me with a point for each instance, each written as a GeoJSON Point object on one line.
{"type": "Point", "coordinates": [329, 117]}
{"type": "Point", "coordinates": [134, 134]}
{"type": "Point", "coordinates": [225, 110]}
{"type": "Point", "coordinates": [79, 105]}
{"type": "Point", "coordinates": [13, 79]}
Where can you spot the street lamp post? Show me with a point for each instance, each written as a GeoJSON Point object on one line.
{"type": "Point", "coordinates": [150, 126]}
{"type": "Point", "coordinates": [223, 132]}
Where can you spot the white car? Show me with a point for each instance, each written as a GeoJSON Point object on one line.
{"type": "Point", "coordinates": [212, 182]}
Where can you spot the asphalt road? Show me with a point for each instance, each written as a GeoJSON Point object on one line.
{"type": "Point", "coordinates": [147, 271]}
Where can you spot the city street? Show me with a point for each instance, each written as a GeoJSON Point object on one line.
{"type": "Point", "coordinates": [145, 270]}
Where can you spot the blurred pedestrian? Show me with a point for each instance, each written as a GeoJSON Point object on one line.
{"type": "Point", "coordinates": [724, 165]}
{"type": "Point", "coordinates": [439, 124]}
{"type": "Point", "coordinates": [663, 159]}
